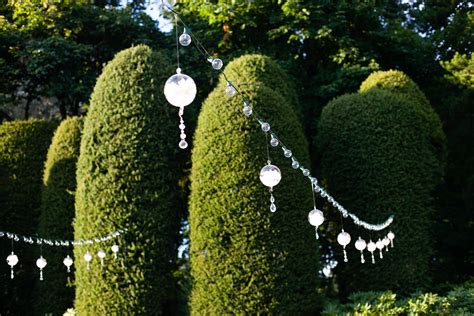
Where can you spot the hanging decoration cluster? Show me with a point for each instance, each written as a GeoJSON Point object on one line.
{"type": "Point", "coordinates": [180, 91]}
{"type": "Point", "coordinates": [41, 263]}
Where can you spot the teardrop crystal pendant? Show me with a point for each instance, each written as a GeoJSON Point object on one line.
{"type": "Point", "coordinates": [272, 203]}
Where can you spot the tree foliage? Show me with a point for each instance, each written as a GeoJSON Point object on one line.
{"type": "Point", "coordinates": [23, 148]}
{"type": "Point", "coordinates": [55, 294]}
{"type": "Point", "coordinates": [127, 179]}
{"type": "Point", "coordinates": [245, 259]}
{"type": "Point", "coordinates": [384, 142]}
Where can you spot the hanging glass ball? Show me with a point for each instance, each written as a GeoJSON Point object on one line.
{"type": "Point", "coordinates": [12, 259]}
{"type": "Point", "coordinates": [386, 241]}
{"type": "Point", "coordinates": [41, 262]}
{"type": "Point", "coordinates": [270, 175]}
{"type": "Point", "coordinates": [360, 244]}
{"type": "Point", "coordinates": [115, 248]}
{"type": "Point", "coordinates": [265, 127]}
{"type": "Point", "coordinates": [273, 141]}
{"type": "Point", "coordinates": [180, 89]}
{"type": "Point", "coordinates": [306, 172]}
{"type": "Point", "coordinates": [183, 144]}
{"type": "Point", "coordinates": [295, 164]}
{"type": "Point", "coordinates": [391, 236]}
{"type": "Point", "coordinates": [316, 217]}
{"type": "Point", "coordinates": [371, 246]}
{"type": "Point", "coordinates": [343, 238]}
{"type": "Point", "coordinates": [101, 254]}
{"type": "Point", "coordinates": [88, 256]}
{"type": "Point", "coordinates": [379, 244]}
{"type": "Point", "coordinates": [247, 110]}
{"type": "Point", "coordinates": [217, 63]}
{"type": "Point", "coordinates": [230, 90]}
{"type": "Point", "coordinates": [185, 39]}
{"type": "Point", "coordinates": [273, 208]}
{"type": "Point", "coordinates": [68, 261]}
{"type": "Point", "coordinates": [287, 153]}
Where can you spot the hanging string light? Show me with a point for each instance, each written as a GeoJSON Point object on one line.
{"type": "Point", "coordinates": [68, 263]}
{"type": "Point", "coordinates": [371, 248]}
{"type": "Point", "coordinates": [344, 239]}
{"type": "Point", "coordinates": [12, 261]}
{"type": "Point", "coordinates": [360, 245]}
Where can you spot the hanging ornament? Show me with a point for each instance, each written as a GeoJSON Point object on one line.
{"type": "Point", "coordinates": [185, 38]}
{"type": "Point", "coordinates": [115, 250]}
{"type": "Point", "coordinates": [101, 254]}
{"type": "Point", "coordinates": [294, 163]}
{"type": "Point", "coordinates": [386, 242]}
{"type": "Point", "coordinates": [12, 260]}
{"type": "Point", "coordinates": [371, 247]}
{"type": "Point", "coordinates": [273, 141]}
{"type": "Point", "coordinates": [391, 236]}
{"type": "Point", "coordinates": [360, 245]}
{"type": "Point", "coordinates": [217, 63]}
{"type": "Point", "coordinates": [286, 152]}
{"type": "Point", "coordinates": [180, 91]}
{"type": "Point", "coordinates": [88, 258]}
{"type": "Point", "coordinates": [379, 244]}
{"type": "Point", "coordinates": [229, 89]}
{"type": "Point", "coordinates": [41, 264]}
{"type": "Point", "coordinates": [344, 239]}
{"type": "Point", "coordinates": [316, 219]}
{"type": "Point", "coordinates": [270, 176]}
{"type": "Point", "coordinates": [247, 109]}
{"type": "Point", "coordinates": [68, 263]}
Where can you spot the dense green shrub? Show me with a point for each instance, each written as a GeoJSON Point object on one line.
{"type": "Point", "coordinates": [55, 294]}
{"type": "Point", "coordinates": [127, 179]}
{"type": "Point", "coordinates": [23, 148]}
{"type": "Point", "coordinates": [378, 159]}
{"type": "Point", "coordinates": [245, 259]}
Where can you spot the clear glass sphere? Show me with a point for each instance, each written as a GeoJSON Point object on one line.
{"type": "Point", "coordinates": [88, 256]}
{"type": "Point", "coordinates": [101, 254]}
{"type": "Point", "coordinates": [287, 153]}
{"type": "Point", "coordinates": [183, 144]}
{"type": "Point", "coordinates": [68, 261]}
{"type": "Point", "coordinates": [230, 90]}
{"type": "Point", "coordinates": [306, 172]}
{"type": "Point", "coordinates": [270, 175]}
{"type": "Point", "coordinates": [41, 262]}
{"type": "Point", "coordinates": [247, 110]}
{"type": "Point", "coordinates": [12, 259]}
{"type": "Point", "coordinates": [371, 246]}
{"type": "Point", "coordinates": [343, 238]}
{"type": "Point", "coordinates": [386, 241]}
{"type": "Point", "coordinates": [295, 164]}
{"type": "Point", "coordinates": [217, 63]}
{"type": "Point", "coordinates": [185, 39]}
{"type": "Point", "coordinates": [379, 244]}
{"type": "Point", "coordinates": [265, 127]}
{"type": "Point", "coordinates": [391, 236]}
{"type": "Point", "coordinates": [180, 90]}
{"type": "Point", "coordinates": [115, 248]}
{"type": "Point", "coordinates": [273, 142]}
{"type": "Point", "coordinates": [360, 244]}
{"type": "Point", "coordinates": [315, 217]}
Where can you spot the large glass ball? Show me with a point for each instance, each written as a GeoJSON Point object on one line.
{"type": "Point", "coordinates": [343, 238]}
{"type": "Point", "coordinates": [270, 175]}
{"type": "Point", "coordinates": [185, 39]}
{"type": "Point", "coordinates": [371, 246]}
{"type": "Point", "coordinates": [68, 261]}
{"type": "Point", "coordinates": [41, 262]}
{"type": "Point", "coordinates": [12, 260]}
{"type": "Point", "coordinates": [315, 217]}
{"type": "Point", "coordinates": [180, 90]}
{"type": "Point", "coordinates": [360, 244]}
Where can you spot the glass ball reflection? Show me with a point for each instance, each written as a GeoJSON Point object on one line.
{"type": "Point", "coordinates": [180, 90]}
{"type": "Point", "coordinates": [270, 175]}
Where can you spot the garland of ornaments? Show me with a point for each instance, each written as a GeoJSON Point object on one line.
{"type": "Point", "coordinates": [12, 259]}
{"type": "Point", "coordinates": [180, 91]}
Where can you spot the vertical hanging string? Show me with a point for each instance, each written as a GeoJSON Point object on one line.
{"type": "Point", "coordinates": [177, 38]}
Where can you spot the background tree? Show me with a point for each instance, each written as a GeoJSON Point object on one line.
{"type": "Point", "coordinates": [127, 178]}
{"type": "Point", "coordinates": [55, 293]}
{"type": "Point", "coordinates": [245, 259]}
{"type": "Point", "coordinates": [23, 148]}
{"type": "Point", "coordinates": [391, 144]}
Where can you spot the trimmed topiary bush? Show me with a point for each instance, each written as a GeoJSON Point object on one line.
{"type": "Point", "coordinates": [55, 293]}
{"type": "Point", "coordinates": [378, 159]}
{"type": "Point", "coordinates": [127, 179]}
{"type": "Point", "coordinates": [23, 148]}
{"type": "Point", "coordinates": [245, 259]}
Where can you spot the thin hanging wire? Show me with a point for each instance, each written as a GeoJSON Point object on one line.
{"type": "Point", "coordinates": [177, 38]}
{"type": "Point", "coordinates": [268, 150]}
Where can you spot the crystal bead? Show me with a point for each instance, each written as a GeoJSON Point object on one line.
{"type": "Point", "coordinates": [247, 110]}
{"type": "Point", "coordinates": [185, 39]}
{"type": "Point", "coordinates": [217, 63]}
{"type": "Point", "coordinates": [273, 141]}
{"type": "Point", "coordinates": [305, 172]}
{"type": "Point", "coordinates": [287, 153]}
{"type": "Point", "coordinates": [295, 164]}
{"type": "Point", "coordinates": [183, 144]}
{"type": "Point", "coordinates": [265, 127]}
{"type": "Point", "coordinates": [273, 208]}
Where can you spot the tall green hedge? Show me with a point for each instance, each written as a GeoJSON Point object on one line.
{"type": "Point", "coordinates": [127, 179]}
{"type": "Point", "coordinates": [245, 259]}
{"type": "Point", "coordinates": [23, 148]}
{"type": "Point", "coordinates": [55, 294]}
{"type": "Point", "coordinates": [379, 158]}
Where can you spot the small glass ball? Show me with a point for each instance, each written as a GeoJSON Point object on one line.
{"type": "Point", "coordinates": [379, 244]}
{"type": "Point", "coordinates": [265, 127]}
{"type": "Point", "coordinates": [273, 208]}
{"type": "Point", "coordinates": [183, 144]}
{"type": "Point", "coordinates": [286, 152]}
{"type": "Point", "coordinates": [247, 110]}
{"type": "Point", "coordinates": [360, 244]}
{"type": "Point", "coordinates": [273, 141]}
{"type": "Point", "coordinates": [343, 238]}
{"type": "Point", "coordinates": [230, 90]}
{"type": "Point", "coordinates": [391, 236]}
{"type": "Point", "coordinates": [68, 261]}
{"type": "Point", "coordinates": [41, 262]}
{"type": "Point", "coordinates": [115, 248]}
{"type": "Point", "coordinates": [295, 164]}
{"type": "Point", "coordinates": [270, 175]}
{"type": "Point", "coordinates": [12, 259]}
{"type": "Point", "coordinates": [371, 246]}
{"type": "Point", "coordinates": [185, 39]}
{"type": "Point", "coordinates": [217, 63]}
{"type": "Point", "coordinates": [182, 126]}
{"type": "Point", "coordinates": [88, 256]}
{"type": "Point", "coordinates": [305, 172]}
{"type": "Point", "coordinates": [316, 217]}
{"type": "Point", "coordinates": [101, 254]}
{"type": "Point", "coordinates": [386, 241]}
{"type": "Point", "coordinates": [182, 135]}
{"type": "Point", "coordinates": [180, 90]}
